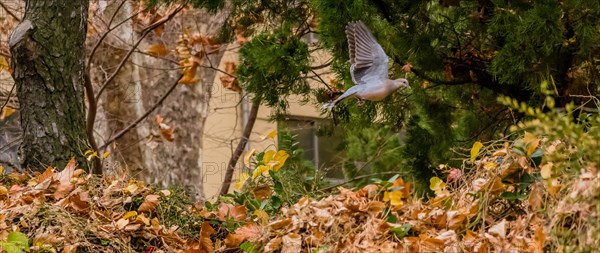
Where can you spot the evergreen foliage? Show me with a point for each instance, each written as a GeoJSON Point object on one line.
{"type": "Point", "coordinates": [463, 54]}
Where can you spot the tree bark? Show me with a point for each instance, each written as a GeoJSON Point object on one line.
{"type": "Point", "coordinates": [48, 60]}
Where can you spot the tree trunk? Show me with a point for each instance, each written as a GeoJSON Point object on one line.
{"type": "Point", "coordinates": [48, 60]}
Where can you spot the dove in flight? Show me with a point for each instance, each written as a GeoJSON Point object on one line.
{"type": "Point", "coordinates": [369, 67]}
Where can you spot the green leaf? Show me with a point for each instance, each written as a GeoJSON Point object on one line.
{"type": "Point", "coordinates": [401, 232]}
{"type": "Point", "coordinates": [19, 239]}
{"type": "Point", "coordinates": [513, 196]}
{"type": "Point", "coordinates": [10, 247]}
{"type": "Point", "coordinates": [392, 218]}
{"type": "Point", "coordinates": [278, 187]}
{"type": "Point", "coordinates": [248, 247]}
{"type": "Point", "coordinates": [391, 180]}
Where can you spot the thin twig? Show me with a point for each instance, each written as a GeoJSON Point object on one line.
{"type": "Point", "coordinates": [136, 122]}
{"type": "Point", "coordinates": [110, 29]}
{"type": "Point", "coordinates": [145, 32]}
{"type": "Point", "coordinates": [359, 178]}
{"type": "Point", "coordinates": [8, 98]}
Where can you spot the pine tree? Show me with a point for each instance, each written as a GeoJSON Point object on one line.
{"type": "Point", "coordinates": [461, 54]}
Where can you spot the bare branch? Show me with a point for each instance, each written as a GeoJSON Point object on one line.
{"type": "Point", "coordinates": [145, 32]}
{"type": "Point", "coordinates": [240, 148]}
{"type": "Point", "coordinates": [359, 178]}
{"type": "Point", "coordinates": [145, 115]}
{"type": "Point", "coordinates": [8, 98]}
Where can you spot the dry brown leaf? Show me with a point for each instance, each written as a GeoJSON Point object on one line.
{"type": "Point", "coordinates": [63, 190]}
{"type": "Point", "coordinates": [158, 50]}
{"type": "Point", "coordinates": [158, 119]}
{"type": "Point", "coordinates": [262, 192]}
{"type": "Point", "coordinates": [69, 248]}
{"type": "Point", "coordinates": [151, 201]}
{"type": "Point", "coordinates": [292, 243]}
{"type": "Point", "coordinates": [167, 132]}
{"type": "Point", "coordinates": [121, 223]}
{"type": "Point", "coordinates": [278, 224]}
{"type": "Point", "coordinates": [498, 230]}
{"type": "Point", "coordinates": [273, 245]}
{"type": "Point", "coordinates": [67, 173]}
{"type": "Point", "coordinates": [229, 211]}
{"type": "Point", "coordinates": [234, 240]}
{"type": "Point", "coordinates": [80, 202]}
{"type": "Point", "coordinates": [46, 239]}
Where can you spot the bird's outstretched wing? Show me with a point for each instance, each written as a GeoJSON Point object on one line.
{"type": "Point", "coordinates": [369, 61]}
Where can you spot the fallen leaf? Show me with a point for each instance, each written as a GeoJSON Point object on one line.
{"type": "Point", "coordinates": [151, 201]}
{"type": "Point", "coordinates": [129, 215]}
{"type": "Point", "coordinates": [67, 173]}
{"type": "Point", "coordinates": [229, 211]}
{"type": "Point", "coordinates": [121, 223]}
{"type": "Point", "coordinates": [498, 230]}
{"type": "Point", "coordinates": [531, 142]}
{"type": "Point", "coordinates": [546, 170]}
{"type": "Point", "coordinates": [292, 243]}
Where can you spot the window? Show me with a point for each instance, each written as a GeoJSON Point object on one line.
{"type": "Point", "coordinates": [322, 150]}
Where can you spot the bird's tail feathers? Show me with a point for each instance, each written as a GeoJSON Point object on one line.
{"type": "Point", "coordinates": [328, 105]}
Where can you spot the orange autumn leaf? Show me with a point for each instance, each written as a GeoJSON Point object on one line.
{"type": "Point", "coordinates": [167, 132]}
{"type": "Point", "coordinates": [6, 111]}
{"type": "Point", "coordinates": [158, 50]}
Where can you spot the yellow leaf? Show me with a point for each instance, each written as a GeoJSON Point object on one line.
{"type": "Point", "coordinates": [546, 170]}
{"type": "Point", "coordinates": [158, 50]}
{"type": "Point", "coordinates": [1, 169]}
{"type": "Point", "coordinates": [259, 171]}
{"type": "Point", "coordinates": [475, 150]}
{"type": "Point", "coordinates": [129, 215]}
{"type": "Point", "coordinates": [239, 183]}
{"type": "Point", "coordinates": [7, 111]}
{"type": "Point", "coordinates": [436, 184]}
{"type": "Point", "coordinates": [88, 151]}
{"type": "Point", "coordinates": [268, 156]}
{"type": "Point", "coordinates": [396, 199]}
{"type": "Point", "coordinates": [248, 156]}
{"type": "Point", "coordinates": [531, 142]}
{"type": "Point", "coordinates": [105, 155]}
{"type": "Point", "coordinates": [272, 134]}
{"type": "Point", "coordinates": [94, 154]}
{"type": "Point", "coordinates": [489, 165]}
{"type": "Point", "coordinates": [262, 216]}
{"type": "Point", "coordinates": [4, 64]}
{"type": "Point", "coordinates": [280, 159]}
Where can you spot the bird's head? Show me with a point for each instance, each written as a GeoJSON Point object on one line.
{"type": "Point", "coordinates": [401, 82]}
